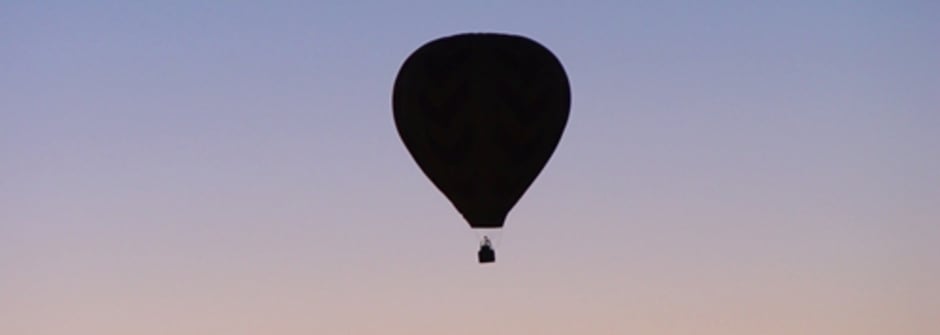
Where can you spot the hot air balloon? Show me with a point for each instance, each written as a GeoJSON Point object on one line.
{"type": "Point", "coordinates": [481, 114]}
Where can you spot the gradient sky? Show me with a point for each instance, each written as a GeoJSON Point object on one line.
{"type": "Point", "coordinates": [735, 167]}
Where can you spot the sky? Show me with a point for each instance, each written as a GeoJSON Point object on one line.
{"type": "Point", "coordinates": [729, 167]}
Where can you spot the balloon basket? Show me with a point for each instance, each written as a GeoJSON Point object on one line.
{"type": "Point", "coordinates": [486, 255]}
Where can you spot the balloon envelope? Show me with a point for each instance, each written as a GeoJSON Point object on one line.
{"type": "Point", "coordinates": [481, 114]}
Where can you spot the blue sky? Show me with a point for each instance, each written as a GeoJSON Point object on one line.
{"type": "Point", "coordinates": [729, 168]}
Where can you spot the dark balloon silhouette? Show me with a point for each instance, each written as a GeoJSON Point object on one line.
{"type": "Point", "coordinates": [481, 114]}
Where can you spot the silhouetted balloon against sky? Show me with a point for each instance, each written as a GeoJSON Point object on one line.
{"type": "Point", "coordinates": [481, 114]}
